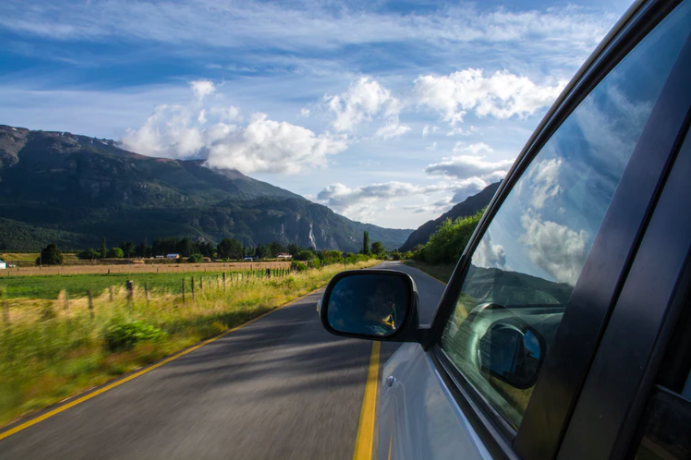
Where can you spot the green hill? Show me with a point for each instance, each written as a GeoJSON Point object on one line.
{"type": "Point", "coordinates": [75, 190]}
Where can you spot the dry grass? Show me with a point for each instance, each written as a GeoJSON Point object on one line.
{"type": "Point", "coordinates": [53, 349]}
{"type": "Point", "coordinates": [140, 268]}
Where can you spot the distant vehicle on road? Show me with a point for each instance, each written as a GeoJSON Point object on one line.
{"type": "Point", "coordinates": [248, 259]}
{"type": "Point", "coordinates": [565, 330]}
{"type": "Point", "coordinates": [173, 256]}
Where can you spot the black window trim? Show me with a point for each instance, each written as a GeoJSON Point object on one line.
{"type": "Point", "coordinates": [611, 433]}
{"type": "Point", "coordinates": [629, 31]}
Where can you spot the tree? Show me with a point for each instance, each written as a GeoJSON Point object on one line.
{"type": "Point", "coordinates": [293, 249]}
{"type": "Point", "coordinates": [276, 248]}
{"type": "Point", "coordinates": [229, 248]}
{"type": "Point", "coordinates": [88, 254]}
{"type": "Point", "coordinates": [186, 247]}
{"type": "Point", "coordinates": [127, 248]}
{"type": "Point", "coordinates": [365, 242]}
{"type": "Point", "coordinates": [50, 255]}
{"type": "Point", "coordinates": [116, 253]}
{"type": "Point", "coordinates": [195, 258]}
{"type": "Point", "coordinates": [104, 249]}
{"type": "Point", "coordinates": [378, 248]}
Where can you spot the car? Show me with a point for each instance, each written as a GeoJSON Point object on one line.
{"type": "Point", "coordinates": [565, 329]}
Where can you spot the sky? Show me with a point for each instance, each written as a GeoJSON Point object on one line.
{"type": "Point", "coordinates": [388, 112]}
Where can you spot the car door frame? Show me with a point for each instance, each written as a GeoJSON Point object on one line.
{"type": "Point", "coordinates": [605, 270]}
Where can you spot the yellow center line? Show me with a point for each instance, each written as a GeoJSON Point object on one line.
{"type": "Point", "coordinates": [110, 386]}
{"type": "Point", "coordinates": [365, 434]}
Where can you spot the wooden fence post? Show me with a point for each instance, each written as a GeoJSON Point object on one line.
{"type": "Point", "coordinates": [91, 304]}
{"type": "Point", "coordinates": [224, 281]}
{"type": "Point", "coordinates": [130, 291]}
{"type": "Point", "coordinates": [192, 284]}
{"type": "Point", "coordinates": [201, 285]}
{"type": "Point", "coordinates": [110, 290]}
{"type": "Point", "coordinates": [268, 273]}
{"type": "Point", "coordinates": [5, 313]}
{"type": "Point", "coordinates": [183, 290]}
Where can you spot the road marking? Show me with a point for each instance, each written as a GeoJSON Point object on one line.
{"type": "Point", "coordinates": [110, 386]}
{"type": "Point", "coordinates": [365, 433]}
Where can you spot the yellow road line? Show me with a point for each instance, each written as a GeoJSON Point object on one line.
{"type": "Point", "coordinates": [101, 390]}
{"type": "Point", "coordinates": [365, 433]}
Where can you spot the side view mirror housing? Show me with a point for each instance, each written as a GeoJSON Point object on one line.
{"type": "Point", "coordinates": [371, 304]}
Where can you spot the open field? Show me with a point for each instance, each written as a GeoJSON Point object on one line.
{"type": "Point", "coordinates": [54, 348]}
{"type": "Point", "coordinates": [140, 268]}
{"type": "Point", "coordinates": [48, 287]}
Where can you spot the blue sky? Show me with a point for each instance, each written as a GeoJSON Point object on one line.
{"type": "Point", "coordinates": [388, 112]}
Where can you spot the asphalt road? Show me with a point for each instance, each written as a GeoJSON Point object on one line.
{"type": "Point", "coordinates": [280, 387]}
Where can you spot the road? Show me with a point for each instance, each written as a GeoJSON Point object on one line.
{"type": "Point", "coordinates": [281, 387]}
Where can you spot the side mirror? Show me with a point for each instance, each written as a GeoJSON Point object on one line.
{"type": "Point", "coordinates": [512, 352]}
{"type": "Point", "coordinates": [371, 304]}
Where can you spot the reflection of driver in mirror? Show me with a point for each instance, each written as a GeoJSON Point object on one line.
{"type": "Point", "coordinates": [372, 305]}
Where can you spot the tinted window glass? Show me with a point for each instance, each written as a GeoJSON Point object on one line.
{"type": "Point", "coordinates": [528, 261]}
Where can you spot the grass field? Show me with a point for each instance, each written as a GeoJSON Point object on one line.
{"type": "Point", "coordinates": [48, 287]}
{"type": "Point", "coordinates": [58, 346]}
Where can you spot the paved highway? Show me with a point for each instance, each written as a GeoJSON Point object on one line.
{"type": "Point", "coordinates": [278, 388]}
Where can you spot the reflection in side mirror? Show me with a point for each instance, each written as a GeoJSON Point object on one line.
{"type": "Point", "coordinates": [512, 354]}
{"type": "Point", "coordinates": [372, 304]}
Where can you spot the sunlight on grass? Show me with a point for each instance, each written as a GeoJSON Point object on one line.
{"type": "Point", "coordinates": [54, 349]}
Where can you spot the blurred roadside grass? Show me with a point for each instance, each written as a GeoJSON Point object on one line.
{"type": "Point", "coordinates": [54, 349]}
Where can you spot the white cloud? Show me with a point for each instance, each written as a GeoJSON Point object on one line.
{"type": "Point", "coordinates": [202, 88]}
{"type": "Point", "coordinates": [488, 254]}
{"type": "Point", "coordinates": [262, 145]}
{"type": "Point", "coordinates": [469, 166]}
{"type": "Point", "coordinates": [392, 130]}
{"type": "Point", "coordinates": [556, 248]}
{"type": "Point", "coordinates": [545, 181]}
{"type": "Point", "coordinates": [305, 112]}
{"type": "Point", "coordinates": [501, 95]}
{"type": "Point", "coordinates": [457, 130]}
{"type": "Point", "coordinates": [361, 102]}
{"type": "Point", "coordinates": [363, 202]}
{"type": "Point", "coordinates": [270, 146]}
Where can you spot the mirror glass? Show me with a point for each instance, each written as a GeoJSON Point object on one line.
{"type": "Point", "coordinates": [369, 304]}
{"type": "Point", "coordinates": [511, 354]}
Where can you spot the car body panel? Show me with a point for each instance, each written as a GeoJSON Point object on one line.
{"type": "Point", "coordinates": [419, 418]}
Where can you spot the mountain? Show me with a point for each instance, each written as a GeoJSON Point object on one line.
{"type": "Point", "coordinates": [470, 206]}
{"type": "Point", "coordinates": [76, 190]}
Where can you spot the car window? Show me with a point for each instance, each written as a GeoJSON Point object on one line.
{"type": "Point", "coordinates": [526, 265]}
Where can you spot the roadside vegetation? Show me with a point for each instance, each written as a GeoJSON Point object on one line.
{"type": "Point", "coordinates": [438, 257]}
{"type": "Point", "coordinates": [52, 348]}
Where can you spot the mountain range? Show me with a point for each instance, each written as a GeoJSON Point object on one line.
{"type": "Point", "coordinates": [468, 207]}
{"type": "Point", "coordinates": [75, 190]}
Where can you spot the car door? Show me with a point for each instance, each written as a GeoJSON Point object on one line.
{"type": "Point", "coordinates": [522, 317]}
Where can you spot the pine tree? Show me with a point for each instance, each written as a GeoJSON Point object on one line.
{"type": "Point", "coordinates": [365, 243]}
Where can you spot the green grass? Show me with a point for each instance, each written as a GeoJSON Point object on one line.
{"type": "Point", "coordinates": [49, 352]}
{"type": "Point", "coordinates": [48, 287]}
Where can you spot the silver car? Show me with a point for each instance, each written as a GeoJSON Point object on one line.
{"type": "Point", "coordinates": [565, 330]}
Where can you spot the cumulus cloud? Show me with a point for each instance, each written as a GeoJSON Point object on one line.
{"type": "Point", "coordinates": [270, 146]}
{"type": "Point", "coordinates": [488, 254]}
{"type": "Point", "coordinates": [501, 95]}
{"type": "Point", "coordinates": [220, 135]}
{"type": "Point", "coordinates": [545, 181]}
{"type": "Point", "coordinates": [364, 100]}
{"type": "Point", "coordinates": [556, 248]}
{"type": "Point", "coordinates": [202, 88]}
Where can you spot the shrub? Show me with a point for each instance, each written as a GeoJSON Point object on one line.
{"type": "Point", "coordinates": [50, 255]}
{"type": "Point", "coordinates": [88, 254]}
{"type": "Point", "coordinates": [448, 242]}
{"type": "Point", "coordinates": [116, 253]}
{"type": "Point", "coordinates": [298, 266]}
{"type": "Point", "coordinates": [195, 258]}
{"type": "Point", "coordinates": [304, 255]}
{"type": "Point", "coordinates": [124, 336]}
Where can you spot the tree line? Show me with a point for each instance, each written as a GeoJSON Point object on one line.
{"type": "Point", "coordinates": [196, 251]}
